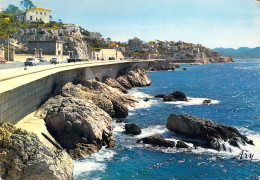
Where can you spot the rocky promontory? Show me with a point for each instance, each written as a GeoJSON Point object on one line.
{"type": "Point", "coordinates": [203, 129]}
{"type": "Point", "coordinates": [23, 156]}
{"type": "Point", "coordinates": [79, 116]}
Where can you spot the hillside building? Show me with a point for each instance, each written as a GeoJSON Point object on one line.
{"type": "Point", "coordinates": [34, 15]}
{"type": "Point", "coordinates": [135, 44]}
{"type": "Point", "coordinates": [71, 27]}
{"type": "Point", "coordinates": [48, 47]}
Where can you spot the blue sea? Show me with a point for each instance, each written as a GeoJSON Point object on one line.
{"type": "Point", "coordinates": [234, 89]}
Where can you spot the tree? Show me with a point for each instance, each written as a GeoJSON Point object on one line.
{"type": "Point", "coordinates": [11, 9]}
{"type": "Point", "coordinates": [50, 17]}
{"type": "Point", "coordinates": [26, 4]}
{"type": "Point", "coordinates": [7, 28]}
{"type": "Point", "coordinates": [108, 39]}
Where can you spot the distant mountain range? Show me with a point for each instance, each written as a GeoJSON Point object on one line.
{"type": "Point", "coordinates": [243, 52]}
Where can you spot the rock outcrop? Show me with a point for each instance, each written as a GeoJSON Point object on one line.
{"type": "Point", "coordinates": [157, 140]}
{"type": "Point", "coordinates": [181, 144]}
{"type": "Point", "coordinates": [204, 129]}
{"type": "Point", "coordinates": [79, 91]}
{"type": "Point", "coordinates": [79, 116]}
{"type": "Point", "coordinates": [176, 96]}
{"type": "Point", "coordinates": [73, 41]}
{"type": "Point", "coordinates": [23, 156]}
{"type": "Point", "coordinates": [119, 100]}
{"type": "Point", "coordinates": [79, 123]}
{"type": "Point", "coordinates": [134, 77]}
{"type": "Point", "coordinates": [132, 129]}
{"type": "Point", "coordinates": [206, 101]}
{"type": "Point", "coordinates": [216, 57]}
{"type": "Point", "coordinates": [161, 65]}
{"type": "Point", "coordinates": [114, 84]}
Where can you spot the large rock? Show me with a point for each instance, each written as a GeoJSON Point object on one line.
{"type": "Point", "coordinates": [132, 129]}
{"type": "Point", "coordinates": [100, 100]}
{"type": "Point", "coordinates": [161, 65]}
{"type": "Point", "coordinates": [138, 78]}
{"type": "Point", "coordinates": [133, 77]}
{"type": "Point", "coordinates": [204, 129]}
{"type": "Point", "coordinates": [157, 140]}
{"type": "Point", "coordinates": [124, 82]}
{"type": "Point", "coordinates": [77, 122]}
{"type": "Point", "coordinates": [181, 144]}
{"type": "Point", "coordinates": [23, 156]}
{"type": "Point", "coordinates": [119, 100]}
{"type": "Point", "coordinates": [176, 96]}
{"type": "Point", "coordinates": [114, 83]}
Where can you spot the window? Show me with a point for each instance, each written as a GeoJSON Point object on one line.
{"type": "Point", "coordinates": [31, 18]}
{"type": "Point", "coordinates": [36, 12]}
{"type": "Point", "coordinates": [44, 13]}
{"type": "Point", "coordinates": [36, 19]}
{"type": "Point", "coordinates": [41, 13]}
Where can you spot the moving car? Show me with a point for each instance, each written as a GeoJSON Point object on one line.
{"type": "Point", "coordinates": [31, 62]}
{"type": "Point", "coordinates": [41, 59]}
{"type": "Point", "coordinates": [2, 60]}
{"type": "Point", "coordinates": [74, 60]}
{"type": "Point", "coordinates": [55, 60]}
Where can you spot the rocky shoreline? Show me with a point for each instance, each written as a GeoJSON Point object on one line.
{"type": "Point", "coordinates": [79, 117]}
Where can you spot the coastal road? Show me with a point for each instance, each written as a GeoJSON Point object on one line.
{"type": "Point", "coordinates": [15, 77]}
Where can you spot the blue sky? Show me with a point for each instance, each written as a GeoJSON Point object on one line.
{"type": "Point", "coordinates": [214, 23]}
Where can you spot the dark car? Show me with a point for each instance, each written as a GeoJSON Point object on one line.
{"type": "Point", "coordinates": [74, 60]}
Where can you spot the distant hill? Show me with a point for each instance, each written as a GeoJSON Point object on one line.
{"type": "Point", "coordinates": [243, 52]}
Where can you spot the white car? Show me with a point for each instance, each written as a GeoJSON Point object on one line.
{"type": "Point", "coordinates": [55, 60]}
{"type": "Point", "coordinates": [42, 59]}
{"type": "Point", "coordinates": [31, 62]}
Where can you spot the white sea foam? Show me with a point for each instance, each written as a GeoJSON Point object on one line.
{"type": "Point", "coordinates": [192, 101]}
{"type": "Point", "coordinates": [138, 94]}
{"type": "Point", "coordinates": [144, 104]}
{"type": "Point", "coordinates": [141, 97]}
{"type": "Point", "coordinates": [118, 127]}
{"type": "Point", "coordinates": [95, 162]}
{"type": "Point", "coordinates": [153, 130]}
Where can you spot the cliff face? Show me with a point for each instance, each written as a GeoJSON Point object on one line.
{"type": "Point", "coordinates": [23, 156]}
{"type": "Point", "coordinates": [72, 41]}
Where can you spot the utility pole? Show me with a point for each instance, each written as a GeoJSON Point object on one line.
{"type": "Point", "coordinates": [8, 47]}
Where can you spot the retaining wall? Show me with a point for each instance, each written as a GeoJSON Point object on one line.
{"type": "Point", "coordinates": [21, 101]}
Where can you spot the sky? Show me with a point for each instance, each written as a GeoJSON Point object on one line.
{"type": "Point", "coordinates": [213, 23]}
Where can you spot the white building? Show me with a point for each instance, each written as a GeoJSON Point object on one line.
{"type": "Point", "coordinates": [34, 15]}
{"type": "Point", "coordinates": [94, 35]}
{"type": "Point", "coordinates": [72, 27]}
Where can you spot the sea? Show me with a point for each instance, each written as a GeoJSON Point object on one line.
{"type": "Point", "coordinates": [234, 89]}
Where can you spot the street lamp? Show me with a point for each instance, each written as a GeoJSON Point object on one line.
{"type": "Point", "coordinates": [116, 50]}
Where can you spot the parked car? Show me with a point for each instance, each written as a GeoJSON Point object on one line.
{"type": "Point", "coordinates": [41, 59]}
{"type": "Point", "coordinates": [55, 60]}
{"type": "Point", "coordinates": [111, 58]}
{"type": "Point", "coordinates": [2, 60]}
{"type": "Point", "coordinates": [31, 62]}
{"type": "Point", "coordinates": [74, 60]}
